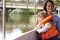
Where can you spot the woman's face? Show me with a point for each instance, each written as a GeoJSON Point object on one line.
{"type": "Point", "coordinates": [49, 7]}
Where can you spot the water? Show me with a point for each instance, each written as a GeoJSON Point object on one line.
{"type": "Point", "coordinates": [0, 35]}
{"type": "Point", "coordinates": [13, 35]}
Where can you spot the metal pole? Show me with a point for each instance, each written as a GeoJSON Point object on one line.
{"type": "Point", "coordinates": [27, 3]}
{"type": "Point", "coordinates": [3, 20]}
{"type": "Point", "coordinates": [35, 14]}
{"type": "Point", "coordinates": [35, 11]}
{"type": "Point", "coordinates": [17, 4]}
{"type": "Point", "coordinates": [11, 3]}
{"type": "Point", "coordinates": [59, 10]}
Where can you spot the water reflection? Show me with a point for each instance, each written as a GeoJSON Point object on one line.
{"type": "Point", "coordinates": [0, 35]}
{"type": "Point", "coordinates": [14, 34]}
{"type": "Point", "coordinates": [18, 22]}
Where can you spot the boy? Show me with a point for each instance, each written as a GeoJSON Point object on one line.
{"type": "Point", "coordinates": [40, 17]}
{"type": "Point", "coordinates": [46, 29]}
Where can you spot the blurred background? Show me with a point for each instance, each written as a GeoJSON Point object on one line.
{"type": "Point", "coordinates": [20, 16]}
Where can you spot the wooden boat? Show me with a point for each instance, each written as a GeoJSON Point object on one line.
{"type": "Point", "coordinates": [31, 35]}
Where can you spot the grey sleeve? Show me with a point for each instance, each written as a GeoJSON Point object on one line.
{"type": "Point", "coordinates": [58, 25]}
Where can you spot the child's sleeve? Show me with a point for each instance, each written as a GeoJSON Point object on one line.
{"type": "Point", "coordinates": [43, 29]}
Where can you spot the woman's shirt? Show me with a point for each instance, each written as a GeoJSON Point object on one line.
{"type": "Point", "coordinates": [56, 21]}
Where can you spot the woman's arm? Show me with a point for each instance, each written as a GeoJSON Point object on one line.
{"type": "Point", "coordinates": [56, 21]}
{"type": "Point", "coordinates": [58, 27]}
{"type": "Point", "coordinates": [58, 24]}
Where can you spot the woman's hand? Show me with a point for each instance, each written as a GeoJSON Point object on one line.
{"type": "Point", "coordinates": [48, 25]}
{"type": "Point", "coordinates": [59, 36]}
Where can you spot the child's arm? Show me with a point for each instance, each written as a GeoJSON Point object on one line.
{"type": "Point", "coordinates": [44, 28]}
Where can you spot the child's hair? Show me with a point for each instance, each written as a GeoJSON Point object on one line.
{"type": "Point", "coordinates": [42, 14]}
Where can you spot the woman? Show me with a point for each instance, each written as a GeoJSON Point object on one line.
{"type": "Point", "coordinates": [49, 8]}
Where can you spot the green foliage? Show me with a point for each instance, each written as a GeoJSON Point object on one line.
{"type": "Point", "coordinates": [25, 16]}
{"type": "Point", "coordinates": [56, 2]}
{"type": "Point", "coordinates": [22, 16]}
{"type": "Point", "coordinates": [15, 15]}
{"type": "Point", "coordinates": [0, 14]}
{"type": "Point", "coordinates": [56, 11]}
{"type": "Point", "coordinates": [26, 29]}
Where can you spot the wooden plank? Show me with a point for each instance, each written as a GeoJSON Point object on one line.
{"type": "Point", "coordinates": [32, 35]}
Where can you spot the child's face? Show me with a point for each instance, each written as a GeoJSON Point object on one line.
{"type": "Point", "coordinates": [41, 16]}
{"type": "Point", "coordinates": [40, 19]}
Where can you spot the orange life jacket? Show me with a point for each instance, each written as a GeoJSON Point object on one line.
{"type": "Point", "coordinates": [50, 32]}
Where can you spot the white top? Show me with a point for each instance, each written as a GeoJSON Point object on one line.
{"type": "Point", "coordinates": [44, 28]}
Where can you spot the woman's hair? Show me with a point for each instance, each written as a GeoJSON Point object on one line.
{"type": "Point", "coordinates": [46, 4]}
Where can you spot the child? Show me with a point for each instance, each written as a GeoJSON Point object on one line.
{"type": "Point", "coordinates": [40, 17]}
{"type": "Point", "coordinates": [46, 29]}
